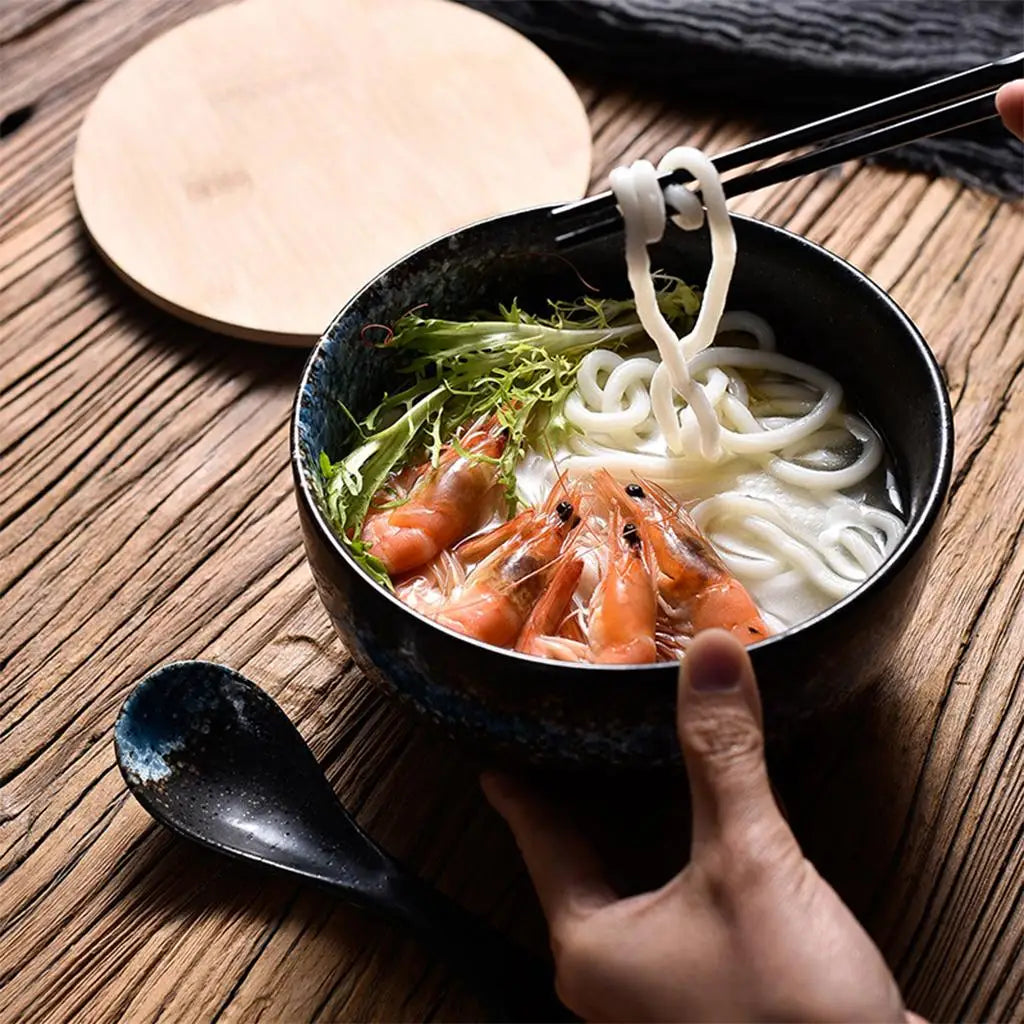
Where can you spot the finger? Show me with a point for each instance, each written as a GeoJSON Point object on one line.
{"type": "Point", "coordinates": [563, 866]}
{"type": "Point", "coordinates": [720, 730]}
{"type": "Point", "coordinates": [1010, 104]}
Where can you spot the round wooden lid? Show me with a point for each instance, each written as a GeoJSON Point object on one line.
{"type": "Point", "coordinates": [253, 167]}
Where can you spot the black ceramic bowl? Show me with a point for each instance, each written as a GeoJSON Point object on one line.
{"type": "Point", "coordinates": [512, 706]}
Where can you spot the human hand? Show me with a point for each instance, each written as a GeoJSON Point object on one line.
{"type": "Point", "coordinates": [747, 931]}
{"type": "Point", "coordinates": [1010, 104]}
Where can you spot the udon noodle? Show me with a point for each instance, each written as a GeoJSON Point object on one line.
{"type": "Point", "coordinates": [776, 472]}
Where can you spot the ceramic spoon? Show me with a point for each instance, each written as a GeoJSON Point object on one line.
{"type": "Point", "coordinates": [212, 757]}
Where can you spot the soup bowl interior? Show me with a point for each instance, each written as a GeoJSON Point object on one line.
{"type": "Point", "coordinates": [510, 706]}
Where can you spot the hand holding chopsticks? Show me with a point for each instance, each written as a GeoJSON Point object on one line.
{"type": "Point", "coordinates": [955, 102]}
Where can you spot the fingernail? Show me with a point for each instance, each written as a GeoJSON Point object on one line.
{"type": "Point", "coordinates": [713, 670]}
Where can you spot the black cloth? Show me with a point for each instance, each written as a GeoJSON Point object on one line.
{"type": "Point", "coordinates": [784, 62]}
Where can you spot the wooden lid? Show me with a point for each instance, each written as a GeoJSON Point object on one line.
{"type": "Point", "coordinates": [255, 166]}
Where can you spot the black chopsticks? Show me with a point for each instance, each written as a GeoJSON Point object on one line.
{"type": "Point", "coordinates": [955, 102]}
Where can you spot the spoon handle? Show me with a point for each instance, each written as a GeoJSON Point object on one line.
{"type": "Point", "coordinates": [515, 985]}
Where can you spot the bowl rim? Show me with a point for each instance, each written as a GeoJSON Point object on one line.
{"type": "Point", "coordinates": [913, 538]}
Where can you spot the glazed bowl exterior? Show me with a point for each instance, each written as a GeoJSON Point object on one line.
{"type": "Point", "coordinates": [513, 707]}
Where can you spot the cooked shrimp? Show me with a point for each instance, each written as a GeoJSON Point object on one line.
{"type": "Point", "coordinates": [474, 549]}
{"type": "Point", "coordinates": [727, 605]}
{"type": "Point", "coordinates": [622, 612]}
{"type": "Point", "coordinates": [624, 606]}
{"type": "Point", "coordinates": [444, 503]}
{"type": "Point", "coordinates": [540, 635]}
{"type": "Point", "coordinates": [695, 588]}
{"type": "Point", "coordinates": [501, 591]}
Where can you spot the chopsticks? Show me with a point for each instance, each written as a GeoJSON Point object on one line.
{"type": "Point", "coordinates": [955, 102]}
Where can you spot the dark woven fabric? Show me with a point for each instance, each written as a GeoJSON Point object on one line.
{"type": "Point", "coordinates": [780, 63]}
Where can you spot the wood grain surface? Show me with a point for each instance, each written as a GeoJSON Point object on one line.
{"type": "Point", "coordinates": [147, 515]}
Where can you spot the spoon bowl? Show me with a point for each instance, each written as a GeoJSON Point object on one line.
{"type": "Point", "coordinates": [211, 756]}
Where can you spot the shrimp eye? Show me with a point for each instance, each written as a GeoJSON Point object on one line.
{"type": "Point", "coordinates": [635, 490]}
{"type": "Point", "coordinates": [564, 510]}
{"type": "Point", "coordinates": [631, 535]}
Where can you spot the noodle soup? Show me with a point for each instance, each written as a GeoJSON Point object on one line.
{"type": "Point", "coordinates": [600, 483]}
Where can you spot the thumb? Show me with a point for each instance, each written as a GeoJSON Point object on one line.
{"type": "Point", "coordinates": [720, 730]}
{"type": "Point", "coordinates": [1010, 104]}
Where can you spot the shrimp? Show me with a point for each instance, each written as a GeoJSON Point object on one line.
{"type": "Point", "coordinates": [622, 612]}
{"type": "Point", "coordinates": [695, 588]}
{"type": "Point", "coordinates": [444, 503]}
{"type": "Point", "coordinates": [624, 606]}
{"type": "Point", "coordinates": [480, 545]}
{"type": "Point", "coordinates": [540, 632]}
{"type": "Point", "coordinates": [500, 592]}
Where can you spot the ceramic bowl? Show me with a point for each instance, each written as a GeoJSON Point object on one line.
{"type": "Point", "coordinates": [509, 706]}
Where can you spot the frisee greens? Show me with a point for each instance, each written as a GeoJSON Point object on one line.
{"type": "Point", "coordinates": [518, 367]}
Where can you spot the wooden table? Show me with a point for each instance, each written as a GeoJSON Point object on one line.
{"type": "Point", "coordinates": [147, 515]}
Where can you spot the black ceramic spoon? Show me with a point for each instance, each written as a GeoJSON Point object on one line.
{"type": "Point", "coordinates": [213, 758]}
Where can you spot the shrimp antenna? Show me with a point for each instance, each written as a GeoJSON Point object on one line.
{"type": "Point", "coordinates": [558, 256]}
{"type": "Point", "coordinates": [674, 505]}
{"type": "Point", "coordinates": [560, 475]}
